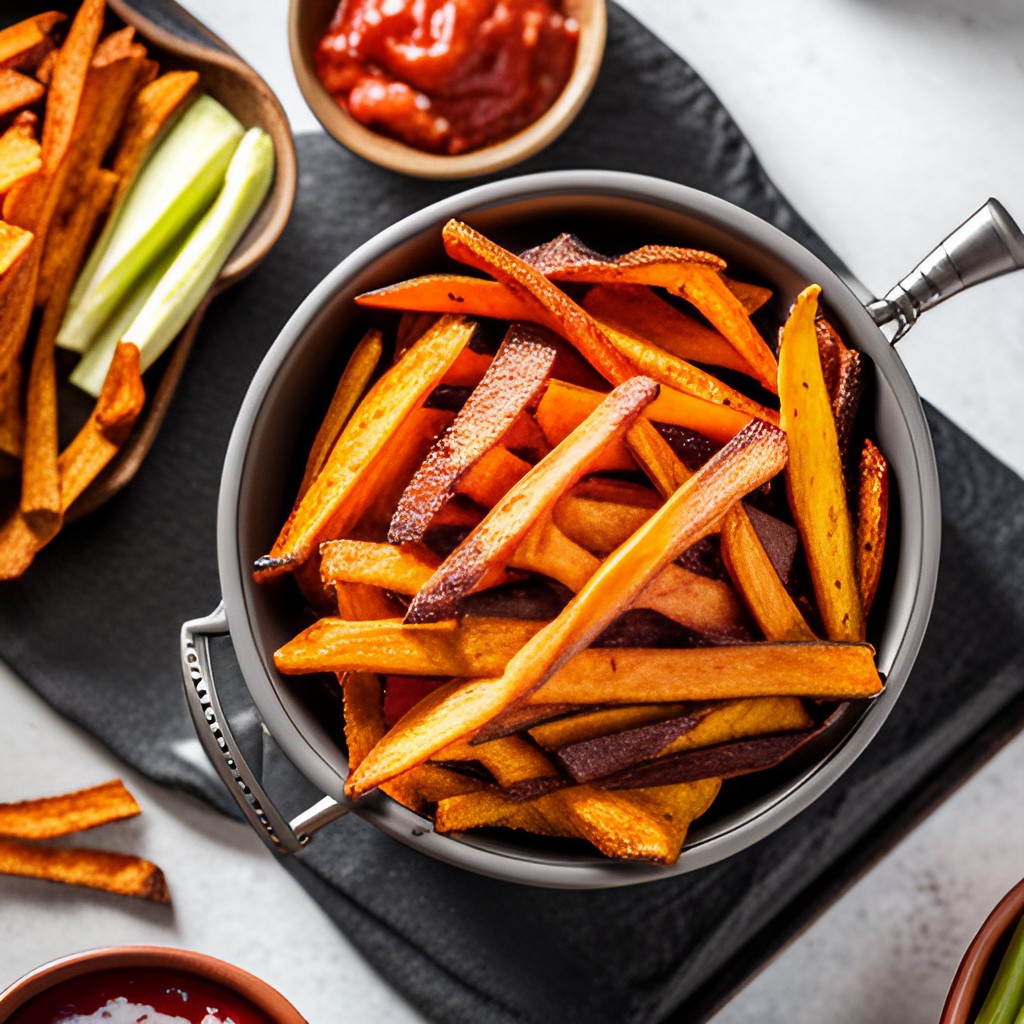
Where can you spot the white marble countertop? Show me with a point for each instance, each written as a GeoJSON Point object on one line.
{"type": "Point", "coordinates": [886, 123]}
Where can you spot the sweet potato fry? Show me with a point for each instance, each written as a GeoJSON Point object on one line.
{"type": "Point", "coordinates": [824, 670]}
{"type": "Point", "coordinates": [871, 521]}
{"type": "Point", "coordinates": [694, 279]}
{"type": "Point", "coordinates": [492, 808]}
{"type": "Point", "coordinates": [751, 458]}
{"type": "Point", "coordinates": [526, 438]}
{"type": "Point", "coordinates": [468, 369]}
{"type": "Point", "coordinates": [98, 441]}
{"type": "Point", "coordinates": [17, 91]}
{"type": "Point", "coordinates": [356, 376]}
{"type": "Point", "coordinates": [814, 477]}
{"type": "Point", "coordinates": [24, 44]}
{"type": "Point", "coordinates": [14, 243]}
{"type": "Point", "coordinates": [94, 869]}
{"type": "Point", "coordinates": [487, 549]}
{"type": "Point", "coordinates": [492, 476]}
{"type": "Point", "coordinates": [843, 371]}
{"type": "Point", "coordinates": [774, 611]}
{"type": "Point", "coordinates": [701, 726]}
{"type": "Point", "coordinates": [600, 520]}
{"type": "Point", "coordinates": [752, 296]}
{"type": "Point", "coordinates": [450, 293]}
{"type": "Point", "coordinates": [40, 479]}
{"type": "Point", "coordinates": [148, 116]}
{"type": "Point", "coordinates": [16, 303]}
{"type": "Point", "coordinates": [638, 311]}
{"type": "Point", "coordinates": [724, 761]}
{"type": "Point", "coordinates": [738, 719]}
{"type": "Point", "coordinates": [338, 496]}
{"type": "Point", "coordinates": [673, 372]}
{"type": "Point", "coordinates": [473, 647]}
{"type": "Point", "coordinates": [589, 724]}
{"type": "Point", "coordinates": [512, 383]}
{"type": "Point", "coordinates": [565, 405]}
{"type": "Point", "coordinates": [402, 570]}
{"type": "Point", "coordinates": [12, 417]}
{"type": "Point", "coordinates": [517, 765]}
{"type": "Point", "coordinates": [19, 155]}
{"type": "Point", "coordinates": [70, 812]}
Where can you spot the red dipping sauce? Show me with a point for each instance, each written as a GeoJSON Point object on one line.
{"type": "Point", "coordinates": [144, 995]}
{"type": "Point", "coordinates": [447, 76]}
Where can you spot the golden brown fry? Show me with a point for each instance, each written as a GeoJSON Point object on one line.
{"type": "Point", "coordinates": [492, 476]}
{"type": "Point", "coordinates": [637, 311]}
{"type": "Point", "coordinates": [601, 722]}
{"type": "Point", "coordinates": [486, 551]}
{"type": "Point", "coordinates": [94, 869]}
{"type": "Point", "coordinates": [752, 458]}
{"type": "Point", "coordinates": [516, 763]}
{"type": "Point", "coordinates": [814, 477]}
{"type": "Point", "coordinates": [17, 91]}
{"type": "Point", "coordinates": [70, 812]}
{"type": "Point", "coordinates": [20, 155]}
{"type": "Point", "coordinates": [598, 521]}
{"type": "Point", "coordinates": [774, 611]}
{"type": "Point", "coordinates": [14, 243]}
{"type": "Point", "coordinates": [641, 675]}
{"type": "Point", "coordinates": [25, 44]}
{"type": "Point", "coordinates": [737, 719]}
{"type": "Point", "coordinates": [512, 382]}
{"type": "Point", "coordinates": [402, 570]}
{"type": "Point", "coordinates": [356, 376]}
{"type": "Point", "coordinates": [871, 521]}
{"type": "Point", "coordinates": [340, 493]}
{"type": "Point", "coordinates": [473, 647]}
{"type": "Point", "coordinates": [12, 416]}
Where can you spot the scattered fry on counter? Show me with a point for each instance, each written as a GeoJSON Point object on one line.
{"type": "Point", "coordinates": [23, 824]}
{"type": "Point", "coordinates": [592, 598]}
{"type": "Point", "coordinates": [123, 193]}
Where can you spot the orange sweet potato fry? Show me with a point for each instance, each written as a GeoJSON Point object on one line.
{"type": "Point", "coordinates": [774, 611]}
{"type": "Point", "coordinates": [749, 460]}
{"type": "Point", "coordinates": [402, 570]}
{"type": "Point", "coordinates": [682, 272]}
{"type": "Point", "coordinates": [339, 495]}
{"type": "Point", "coordinates": [356, 376]}
{"type": "Point", "coordinates": [17, 91]}
{"type": "Point", "coordinates": [100, 438]}
{"type": "Point", "coordinates": [492, 476]}
{"type": "Point", "coordinates": [511, 384]}
{"type": "Point", "coordinates": [486, 551]}
{"type": "Point", "coordinates": [476, 646]}
{"type": "Point", "coordinates": [752, 296]}
{"type": "Point", "coordinates": [600, 722]}
{"type": "Point", "coordinates": [12, 416]}
{"type": "Point", "coordinates": [814, 477]}
{"type": "Point", "coordinates": [70, 812]}
{"type": "Point", "coordinates": [871, 521]}
{"type": "Point", "coordinates": [526, 437]}
{"type": "Point", "coordinates": [738, 719]}
{"type": "Point", "coordinates": [521, 768]}
{"type": "Point", "coordinates": [450, 293]}
{"type": "Point", "coordinates": [95, 869]}
{"type": "Point", "coordinates": [24, 44]}
{"type": "Point", "coordinates": [19, 155]}
{"type": "Point", "coordinates": [637, 310]}
{"type": "Point", "coordinates": [14, 243]}
{"type": "Point", "coordinates": [16, 303]}
{"type": "Point", "coordinates": [601, 521]}
{"type": "Point", "coordinates": [634, 675]}
{"type": "Point", "coordinates": [492, 808]}
{"type": "Point", "coordinates": [468, 369]}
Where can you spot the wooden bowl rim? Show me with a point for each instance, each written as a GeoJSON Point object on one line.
{"type": "Point", "coordinates": [397, 156]}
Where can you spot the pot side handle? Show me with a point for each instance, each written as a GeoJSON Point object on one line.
{"type": "Point", "coordinates": [282, 836]}
{"type": "Point", "coordinates": [986, 245]}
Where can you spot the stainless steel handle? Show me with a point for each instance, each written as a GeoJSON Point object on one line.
{"type": "Point", "coordinates": [282, 836]}
{"type": "Point", "coordinates": [986, 245]}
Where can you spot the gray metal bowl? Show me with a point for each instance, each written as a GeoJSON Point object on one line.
{"type": "Point", "coordinates": [613, 211]}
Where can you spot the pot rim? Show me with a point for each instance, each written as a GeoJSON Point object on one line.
{"type": "Point", "coordinates": [915, 578]}
{"type": "Point", "coordinates": [257, 991]}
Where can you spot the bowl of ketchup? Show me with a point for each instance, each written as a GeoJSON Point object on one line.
{"type": "Point", "coordinates": [446, 88]}
{"type": "Point", "coordinates": [128, 984]}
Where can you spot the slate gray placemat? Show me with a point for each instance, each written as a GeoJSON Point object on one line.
{"type": "Point", "coordinates": [94, 627]}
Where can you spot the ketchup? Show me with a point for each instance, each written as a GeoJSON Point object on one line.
{"type": "Point", "coordinates": [151, 995]}
{"type": "Point", "coordinates": [447, 76]}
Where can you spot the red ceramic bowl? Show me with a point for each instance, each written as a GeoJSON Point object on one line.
{"type": "Point", "coordinates": [246, 990]}
{"type": "Point", "coordinates": [980, 962]}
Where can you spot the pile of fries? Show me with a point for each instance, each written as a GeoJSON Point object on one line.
{"type": "Point", "coordinates": [25, 824]}
{"type": "Point", "coordinates": [572, 582]}
{"type": "Point", "coordinates": [76, 122]}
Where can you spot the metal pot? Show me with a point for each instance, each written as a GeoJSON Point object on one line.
{"type": "Point", "coordinates": [611, 211]}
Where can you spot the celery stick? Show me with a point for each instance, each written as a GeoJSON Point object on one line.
{"type": "Point", "coordinates": [197, 265]}
{"type": "Point", "coordinates": [1005, 999]}
{"type": "Point", "coordinates": [175, 186]}
{"type": "Point", "coordinates": [91, 370]}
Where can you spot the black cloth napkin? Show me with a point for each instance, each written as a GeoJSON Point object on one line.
{"type": "Point", "coordinates": [94, 625]}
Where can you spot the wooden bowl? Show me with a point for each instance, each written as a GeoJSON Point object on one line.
{"type": "Point", "coordinates": [978, 967]}
{"type": "Point", "coordinates": [308, 20]}
{"type": "Point", "coordinates": [177, 40]}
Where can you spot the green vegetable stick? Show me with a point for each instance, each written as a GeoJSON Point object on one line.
{"type": "Point", "coordinates": [181, 287]}
{"type": "Point", "coordinates": [175, 186]}
{"type": "Point", "coordinates": [1005, 1001]}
